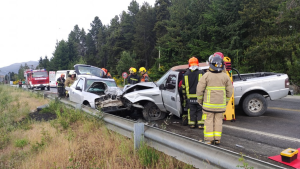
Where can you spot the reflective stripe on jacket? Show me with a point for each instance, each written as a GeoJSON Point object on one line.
{"type": "Point", "coordinates": [189, 84]}
{"type": "Point", "coordinates": [133, 79]}
{"type": "Point", "coordinates": [214, 91]}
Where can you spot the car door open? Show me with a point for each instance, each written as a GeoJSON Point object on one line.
{"type": "Point", "coordinates": [170, 94]}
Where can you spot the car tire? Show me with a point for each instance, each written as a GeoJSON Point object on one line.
{"type": "Point", "coordinates": [87, 104]}
{"type": "Point", "coordinates": [255, 105]}
{"type": "Point", "coordinates": [43, 88]}
{"type": "Point", "coordinates": [152, 113]}
{"type": "Point", "coordinates": [48, 88]}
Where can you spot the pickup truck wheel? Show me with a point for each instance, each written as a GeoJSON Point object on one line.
{"type": "Point", "coordinates": [255, 105]}
{"type": "Point", "coordinates": [151, 112]}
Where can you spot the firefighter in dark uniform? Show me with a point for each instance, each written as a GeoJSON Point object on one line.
{"type": "Point", "coordinates": [189, 88]}
{"type": "Point", "coordinates": [133, 78]}
{"type": "Point", "coordinates": [61, 86]}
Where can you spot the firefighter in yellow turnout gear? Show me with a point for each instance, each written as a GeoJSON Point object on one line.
{"type": "Point", "coordinates": [214, 91]}
{"type": "Point", "coordinates": [189, 86]}
{"type": "Point", "coordinates": [70, 80]}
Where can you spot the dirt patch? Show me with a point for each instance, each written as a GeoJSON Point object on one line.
{"type": "Point", "coordinates": [42, 116]}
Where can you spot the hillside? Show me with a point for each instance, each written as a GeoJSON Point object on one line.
{"type": "Point", "coordinates": [15, 67]}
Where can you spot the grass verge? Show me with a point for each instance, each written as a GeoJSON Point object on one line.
{"type": "Point", "coordinates": [72, 140]}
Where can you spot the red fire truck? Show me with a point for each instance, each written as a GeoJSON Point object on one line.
{"type": "Point", "coordinates": [38, 79]}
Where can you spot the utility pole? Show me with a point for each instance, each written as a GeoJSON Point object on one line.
{"type": "Point", "coordinates": [159, 58]}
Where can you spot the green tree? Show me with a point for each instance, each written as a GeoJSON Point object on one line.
{"type": "Point", "coordinates": [80, 60]}
{"type": "Point", "coordinates": [127, 60]}
{"type": "Point", "coordinates": [60, 58]}
{"type": "Point", "coordinates": [162, 15]}
{"type": "Point", "coordinates": [144, 38]}
{"type": "Point", "coordinates": [21, 72]}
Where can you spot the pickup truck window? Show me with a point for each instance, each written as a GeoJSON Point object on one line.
{"type": "Point", "coordinates": [171, 83]}
{"type": "Point", "coordinates": [162, 80]}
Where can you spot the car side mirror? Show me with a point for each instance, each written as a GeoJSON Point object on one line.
{"type": "Point", "coordinates": [162, 87]}
{"type": "Point", "coordinates": [78, 88]}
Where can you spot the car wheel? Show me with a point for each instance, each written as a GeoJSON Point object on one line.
{"type": "Point", "coordinates": [255, 105]}
{"type": "Point", "coordinates": [151, 112]}
{"type": "Point", "coordinates": [86, 104]}
{"type": "Point", "coordinates": [48, 88]}
{"type": "Point", "coordinates": [43, 88]}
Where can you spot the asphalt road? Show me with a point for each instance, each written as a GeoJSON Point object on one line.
{"type": "Point", "coordinates": [259, 137]}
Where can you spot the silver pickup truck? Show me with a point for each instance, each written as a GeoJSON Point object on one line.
{"type": "Point", "coordinates": [162, 97]}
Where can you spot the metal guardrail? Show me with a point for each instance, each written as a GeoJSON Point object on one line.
{"type": "Point", "coordinates": [185, 149]}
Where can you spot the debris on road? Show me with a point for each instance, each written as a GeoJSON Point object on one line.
{"type": "Point", "coordinates": [239, 146]}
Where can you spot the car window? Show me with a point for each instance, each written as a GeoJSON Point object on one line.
{"type": "Point", "coordinates": [162, 80]}
{"type": "Point", "coordinates": [171, 83]}
{"type": "Point", "coordinates": [80, 84]}
{"type": "Point", "coordinates": [89, 82]}
{"type": "Point", "coordinates": [74, 84]}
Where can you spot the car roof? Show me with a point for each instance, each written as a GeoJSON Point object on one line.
{"type": "Point", "coordinates": [202, 65]}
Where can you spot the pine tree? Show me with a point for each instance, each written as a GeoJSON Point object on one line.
{"type": "Point", "coordinates": [144, 38]}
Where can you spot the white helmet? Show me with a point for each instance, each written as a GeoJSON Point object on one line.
{"type": "Point", "coordinates": [72, 72]}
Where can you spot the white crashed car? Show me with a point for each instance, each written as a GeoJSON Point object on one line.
{"type": "Point", "coordinates": [87, 89]}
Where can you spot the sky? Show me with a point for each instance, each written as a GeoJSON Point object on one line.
{"type": "Point", "coordinates": [29, 28]}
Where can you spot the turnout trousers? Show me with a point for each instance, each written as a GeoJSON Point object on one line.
{"type": "Point", "coordinates": [61, 91]}
{"type": "Point", "coordinates": [213, 126]}
{"type": "Point", "coordinates": [194, 114]}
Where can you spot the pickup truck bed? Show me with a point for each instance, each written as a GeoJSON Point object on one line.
{"type": "Point", "coordinates": [250, 90]}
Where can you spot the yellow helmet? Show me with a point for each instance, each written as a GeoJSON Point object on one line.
{"type": "Point", "coordinates": [133, 70]}
{"type": "Point", "coordinates": [142, 70]}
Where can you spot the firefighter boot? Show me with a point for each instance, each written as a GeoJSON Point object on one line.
{"type": "Point", "coordinates": [192, 126]}
{"type": "Point", "coordinates": [217, 142]}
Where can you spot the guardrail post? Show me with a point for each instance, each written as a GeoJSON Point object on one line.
{"type": "Point", "coordinates": [138, 132]}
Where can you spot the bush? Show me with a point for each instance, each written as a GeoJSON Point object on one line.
{"type": "Point", "coordinates": [21, 143]}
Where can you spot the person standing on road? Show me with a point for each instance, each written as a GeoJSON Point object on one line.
{"type": "Point", "coordinates": [133, 78]}
{"type": "Point", "coordinates": [61, 86]}
{"type": "Point", "coordinates": [189, 86]}
{"type": "Point", "coordinates": [213, 92]}
{"type": "Point", "coordinates": [20, 83]}
{"type": "Point", "coordinates": [143, 72]}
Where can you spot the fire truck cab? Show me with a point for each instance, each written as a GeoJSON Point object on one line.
{"type": "Point", "coordinates": [38, 79]}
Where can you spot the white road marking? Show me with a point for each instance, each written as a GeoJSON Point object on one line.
{"type": "Point", "coordinates": [263, 133]}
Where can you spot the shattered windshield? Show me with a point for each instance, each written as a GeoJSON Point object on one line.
{"type": "Point", "coordinates": [108, 83]}
{"type": "Point", "coordinates": [40, 74]}
{"type": "Point", "coordinates": [88, 70]}
{"type": "Point", "coordinates": [97, 87]}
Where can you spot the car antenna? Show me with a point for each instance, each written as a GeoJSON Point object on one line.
{"type": "Point", "coordinates": [151, 79]}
